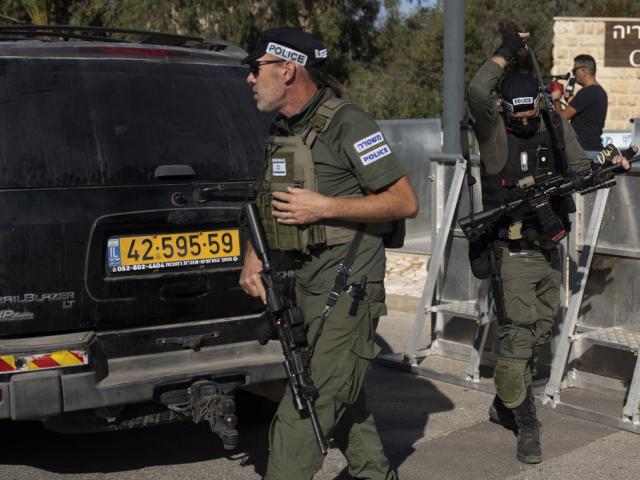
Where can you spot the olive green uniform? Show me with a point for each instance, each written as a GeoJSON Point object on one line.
{"type": "Point", "coordinates": [346, 347]}
{"type": "Point", "coordinates": [531, 275]}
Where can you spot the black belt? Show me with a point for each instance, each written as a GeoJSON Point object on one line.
{"type": "Point", "coordinates": [519, 245]}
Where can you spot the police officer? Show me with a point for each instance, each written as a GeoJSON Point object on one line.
{"type": "Point", "coordinates": [514, 144]}
{"type": "Point", "coordinates": [329, 174]}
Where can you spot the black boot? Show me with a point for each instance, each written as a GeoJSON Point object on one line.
{"type": "Point", "coordinates": [528, 448]}
{"type": "Point", "coordinates": [502, 415]}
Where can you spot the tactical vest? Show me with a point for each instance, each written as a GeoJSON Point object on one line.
{"type": "Point", "coordinates": [526, 157]}
{"type": "Point", "coordinates": [289, 163]}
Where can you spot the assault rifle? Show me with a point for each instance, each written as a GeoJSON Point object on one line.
{"type": "Point", "coordinates": [533, 194]}
{"type": "Point", "coordinates": [284, 320]}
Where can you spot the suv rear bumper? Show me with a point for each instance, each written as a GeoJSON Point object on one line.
{"type": "Point", "coordinates": [132, 379]}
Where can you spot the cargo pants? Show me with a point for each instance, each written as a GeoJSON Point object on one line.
{"type": "Point", "coordinates": [339, 367]}
{"type": "Point", "coordinates": [531, 286]}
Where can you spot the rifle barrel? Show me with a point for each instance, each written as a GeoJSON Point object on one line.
{"type": "Point", "coordinates": [317, 428]}
{"type": "Point", "coordinates": [258, 237]}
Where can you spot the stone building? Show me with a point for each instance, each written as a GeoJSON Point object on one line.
{"type": "Point", "coordinates": [615, 45]}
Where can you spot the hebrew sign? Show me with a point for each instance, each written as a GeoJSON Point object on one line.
{"type": "Point", "coordinates": [622, 44]}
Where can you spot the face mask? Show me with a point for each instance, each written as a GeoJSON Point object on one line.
{"type": "Point", "coordinates": [516, 127]}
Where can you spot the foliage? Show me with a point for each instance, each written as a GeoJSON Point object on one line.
{"type": "Point", "coordinates": [614, 8]}
{"type": "Point", "coordinates": [389, 63]}
{"type": "Point", "coordinates": [38, 10]}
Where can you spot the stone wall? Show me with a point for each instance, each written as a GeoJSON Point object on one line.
{"type": "Point", "coordinates": [578, 35]}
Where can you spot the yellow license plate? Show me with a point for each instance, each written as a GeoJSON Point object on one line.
{"type": "Point", "coordinates": [128, 253]}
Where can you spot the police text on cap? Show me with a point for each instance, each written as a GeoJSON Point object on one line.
{"type": "Point", "coordinates": [286, 53]}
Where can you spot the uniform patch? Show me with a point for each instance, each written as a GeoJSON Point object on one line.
{"type": "Point", "coordinates": [376, 154]}
{"type": "Point", "coordinates": [286, 53]}
{"type": "Point", "coordinates": [523, 101]}
{"type": "Point", "coordinates": [278, 167]}
{"type": "Point", "coordinates": [367, 142]}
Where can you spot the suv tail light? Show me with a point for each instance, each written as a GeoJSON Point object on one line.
{"type": "Point", "coordinates": [22, 362]}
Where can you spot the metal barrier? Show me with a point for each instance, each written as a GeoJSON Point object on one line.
{"type": "Point", "coordinates": [452, 319]}
{"type": "Point", "coordinates": [635, 131]}
{"type": "Point", "coordinates": [447, 279]}
{"type": "Point", "coordinates": [412, 141]}
{"type": "Point", "coordinates": [599, 339]}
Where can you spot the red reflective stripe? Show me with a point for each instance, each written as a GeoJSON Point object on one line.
{"type": "Point", "coordinates": [5, 367]}
{"type": "Point", "coordinates": [79, 357]}
{"type": "Point", "coordinates": [45, 362]}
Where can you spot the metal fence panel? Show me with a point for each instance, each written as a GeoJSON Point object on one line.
{"type": "Point", "coordinates": [612, 293]}
{"type": "Point", "coordinates": [412, 140]}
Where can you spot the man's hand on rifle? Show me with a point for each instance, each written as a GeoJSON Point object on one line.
{"type": "Point", "coordinates": [250, 280]}
{"type": "Point", "coordinates": [620, 160]}
{"type": "Point", "coordinates": [623, 159]}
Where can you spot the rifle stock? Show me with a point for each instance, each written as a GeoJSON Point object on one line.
{"type": "Point", "coordinates": [288, 324]}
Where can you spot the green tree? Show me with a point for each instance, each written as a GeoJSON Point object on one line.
{"type": "Point", "coordinates": [348, 27]}
{"type": "Point", "coordinates": [391, 64]}
{"type": "Point", "coordinates": [613, 8]}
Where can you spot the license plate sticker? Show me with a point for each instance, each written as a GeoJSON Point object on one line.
{"type": "Point", "coordinates": [130, 253]}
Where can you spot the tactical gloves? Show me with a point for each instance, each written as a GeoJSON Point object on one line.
{"type": "Point", "coordinates": [511, 43]}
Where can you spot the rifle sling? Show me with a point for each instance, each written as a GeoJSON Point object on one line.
{"type": "Point", "coordinates": [496, 283]}
{"type": "Point", "coordinates": [339, 284]}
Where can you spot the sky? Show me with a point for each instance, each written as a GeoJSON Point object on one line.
{"type": "Point", "coordinates": [407, 5]}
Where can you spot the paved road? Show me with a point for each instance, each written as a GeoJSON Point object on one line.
{"type": "Point", "coordinates": [430, 429]}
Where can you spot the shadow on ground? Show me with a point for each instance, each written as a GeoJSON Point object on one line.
{"type": "Point", "coordinates": [401, 403]}
{"type": "Point", "coordinates": [106, 452]}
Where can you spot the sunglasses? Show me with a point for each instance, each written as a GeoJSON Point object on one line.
{"type": "Point", "coordinates": [573, 71]}
{"type": "Point", "coordinates": [254, 67]}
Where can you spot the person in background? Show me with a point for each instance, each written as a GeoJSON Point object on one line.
{"type": "Point", "coordinates": [514, 144]}
{"type": "Point", "coordinates": [587, 110]}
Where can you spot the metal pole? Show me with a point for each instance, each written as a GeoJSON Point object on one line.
{"type": "Point", "coordinates": [453, 89]}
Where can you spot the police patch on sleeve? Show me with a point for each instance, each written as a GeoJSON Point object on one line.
{"type": "Point", "coordinates": [367, 142]}
{"type": "Point", "coordinates": [278, 167]}
{"type": "Point", "coordinates": [377, 154]}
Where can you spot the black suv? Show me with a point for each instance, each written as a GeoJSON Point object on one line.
{"type": "Point", "coordinates": [123, 168]}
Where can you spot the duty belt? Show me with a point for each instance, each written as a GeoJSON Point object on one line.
{"type": "Point", "coordinates": [519, 245]}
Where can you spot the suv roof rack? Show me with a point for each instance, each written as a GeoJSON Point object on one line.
{"type": "Point", "coordinates": [101, 34]}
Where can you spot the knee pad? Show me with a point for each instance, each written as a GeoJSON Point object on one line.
{"type": "Point", "coordinates": [508, 377]}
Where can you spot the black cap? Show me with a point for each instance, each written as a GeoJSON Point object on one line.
{"type": "Point", "coordinates": [289, 44]}
{"type": "Point", "coordinates": [519, 92]}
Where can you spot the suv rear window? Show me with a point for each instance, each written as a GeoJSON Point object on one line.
{"type": "Point", "coordinates": [82, 122]}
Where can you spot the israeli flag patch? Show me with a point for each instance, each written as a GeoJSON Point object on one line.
{"type": "Point", "coordinates": [377, 154]}
{"type": "Point", "coordinates": [278, 167]}
{"type": "Point", "coordinates": [367, 142]}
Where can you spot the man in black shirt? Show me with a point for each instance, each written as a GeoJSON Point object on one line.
{"type": "Point", "coordinates": [588, 109]}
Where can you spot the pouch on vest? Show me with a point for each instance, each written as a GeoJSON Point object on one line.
{"type": "Point", "coordinates": [395, 238]}
{"type": "Point", "coordinates": [290, 164]}
{"type": "Point", "coordinates": [479, 257]}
